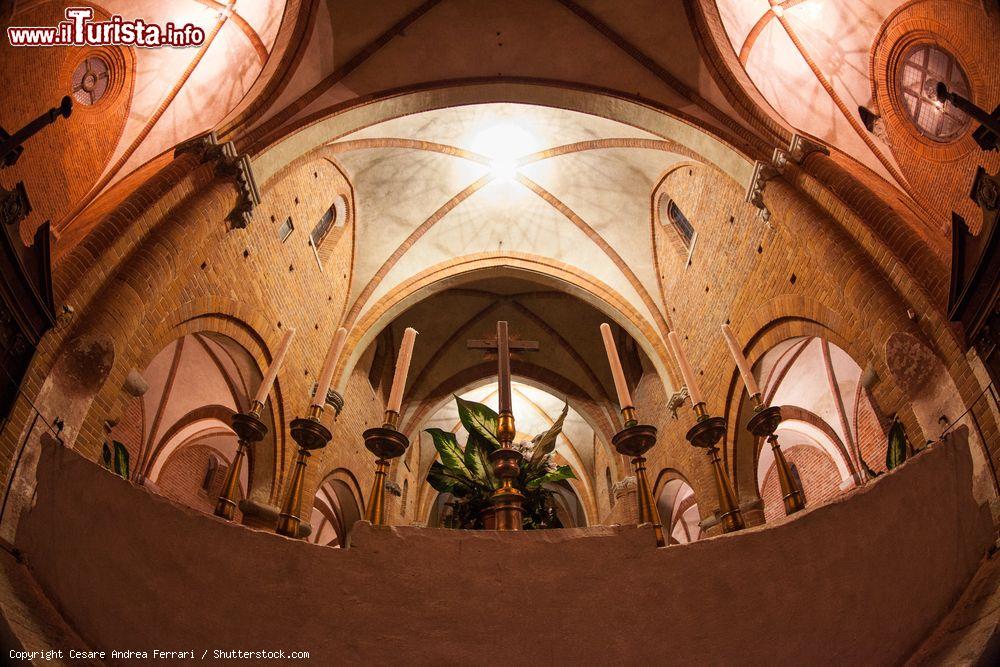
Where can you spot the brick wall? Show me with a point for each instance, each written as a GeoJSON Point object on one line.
{"type": "Point", "coordinates": [184, 472]}
{"type": "Point", "coordinates": [818, 472]}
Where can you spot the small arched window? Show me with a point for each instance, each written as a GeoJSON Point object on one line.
{"type": "Point", "coordinates": [611, 488]}
{"type": "Point", "coordinates": [671, 214]}
{"type": "Point", "coordinates": [335, 216]}
{"type": "Point", "coordinates": [406, 493]}
{"type": "Point", "coordinates": [210, 470]}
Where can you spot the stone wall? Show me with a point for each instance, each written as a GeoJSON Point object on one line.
{"type": "Point", "coordinates": [177, 579]}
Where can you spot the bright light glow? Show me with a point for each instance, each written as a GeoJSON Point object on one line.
{"type": "Point", "coordinates": [504, 144]}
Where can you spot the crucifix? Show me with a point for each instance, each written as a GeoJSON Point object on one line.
{"type": "Point", "coordinates": [503, 348]}
{"type": "Point", "coordinates": [507, 500]}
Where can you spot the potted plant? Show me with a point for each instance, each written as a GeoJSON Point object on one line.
{"type": "Point", "coordinates": [466, 472]}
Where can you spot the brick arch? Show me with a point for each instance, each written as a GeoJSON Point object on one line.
{"type": "Point", "coordinates": [177, 475]}
{"type": "Point", "coordinates": [216, 416]}
{"type": "Point", "coordinates": [467, 268]}
{"type": "Point", "coordinates": [773, 323]}
{"type": "Point", "coordinates": [665, 476]}
{"type": "Point", "coordinates": [796, 413]}
{"type": "Point", "coordinates": [342, 518]}
{"type": "Point", "coordinates": [243, 325]}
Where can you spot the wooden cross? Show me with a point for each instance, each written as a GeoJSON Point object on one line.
{"type": "Point", "coordinates": [503, 347]}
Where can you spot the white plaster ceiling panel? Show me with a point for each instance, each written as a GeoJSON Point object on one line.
{"type": "Point", "coordinates": [787, 82]}
{"type": "Point", "coordinates": [610, 189]}
{"type": "Point", "coordinates": [156, 375]}
{"type": "Point", "coordinates": [198, 382]}
{"type": "Point", "coordinates": [505, 216]}
{"type": "Point", "coordinates": [838, 37]}
{"type": "Point", "coordinates": [218, 82]}
{"type": "Point", "coordinates": [470, 127]}
{"type": "Point", "coordinates": [395, 191]}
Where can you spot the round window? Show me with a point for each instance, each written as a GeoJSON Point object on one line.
{"type": "Point", "coordinates": [922, 68]}
{"type": "Point", "coordinates": [90, 80]}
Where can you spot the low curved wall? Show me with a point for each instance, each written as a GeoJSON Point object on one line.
{"type": "Point", "coordinates": [859, 581]}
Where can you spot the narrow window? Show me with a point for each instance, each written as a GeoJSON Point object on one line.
{"type": "Point", "coordinates": [213, 466]}
{"type": "Point", "coordinates": [286, 229]}
{"type": "Point", "coordinates": [335, 216]}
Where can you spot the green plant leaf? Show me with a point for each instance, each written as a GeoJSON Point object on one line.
{"type": "Point", "coordinates": [478, 462]}
{"type": "Point", "coordinates": [475, 464]}
{"type": "Point", "coordinates": [121, 459]}
{"type": "Point", "coordinates": [479, 419]}
{"type": "Point", "coordinates": [895, 453]}
{"type": "Point", "coordinates": [544, 443]}
{"type": "Point", "coordinates": [440, 479]}
{"type": "Point", "coordinates": [560, 473]}
{"type": "Point", "coordinates": [447, 447]}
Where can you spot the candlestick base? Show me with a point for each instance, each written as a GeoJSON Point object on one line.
{"type": "Point", "coordinates": [706, 432]}
{"type": "Point", "coordinates": [508, 501]}
{"type": "Point", "coordinates": [763, 424]}
{"type": "Point", "coordinates": [635, 441]}
{"type": "Point", "coordinates": [249, 430]}
{"type": "Point", "coordinates": [310, 435]}
{"type": "Point", "coordinates": [385, 443]}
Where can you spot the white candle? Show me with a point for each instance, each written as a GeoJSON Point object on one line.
{"type": "Point", "coordinates": [741, 362]}
{"type": "Point", "coordinates": [402, 368]}
{"type": "Point", "coordinates": [326, 376]}
{"type": "Point", "coordinates": [686, 371]}
{"type": "Point", "coordinates": [272, 372]}
{"type": "Point", "coordinates": [624, 397]}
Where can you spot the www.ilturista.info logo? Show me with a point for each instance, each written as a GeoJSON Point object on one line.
{"type": "Point", "coordinates": [79, 29]}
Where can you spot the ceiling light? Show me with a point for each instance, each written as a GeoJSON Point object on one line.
{"type": "Point", "coordinates": [504, 144]}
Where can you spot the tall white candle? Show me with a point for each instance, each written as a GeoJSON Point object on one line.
{"type": "Point", "coordinates": [741, 362]}
{"type": "Point", "coordinates": [326, 375]}
{"type": "Point", "coordinates": [686, 371]}
{"type": "Point", "coordinates": [402, 368]}
{"type": "Point", "coordinates": [624, 397]}
{"type": "Point", "coordinates": [272, 372]}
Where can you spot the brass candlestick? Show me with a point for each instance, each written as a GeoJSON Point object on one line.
{"type": "Point", "coordinates": [249, 429]}
{"type": "Point", "coordinates": [706, 432]}
{"type": "Point", "coordinates": [763, 424]}
{"type": "Point", "coordinates": [635, 440]}
{"type": "Point", "coordinates": [310, 434]}
{"type": "Point", "coordinates": [386, 443]}
{"type": "Point", "coordinates": [508, 501]}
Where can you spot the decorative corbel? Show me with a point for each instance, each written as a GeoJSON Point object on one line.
{"type": "Point", "coordinates": [14, 204]}
{"type": "Point", "coordinates": [230, 164]}
{"type": "Point", "coordinates": [762, 173]}
{"type": "Point", "coordinates": [677, 400]}
{"type": "Point", "coordinates": [239, 168]}
{"type": "Point", "coordinates": [800, 147]}
{"type": "Point", "coordinates": [986, 191]}
{"type": "Point", "coordinates": [206, 146]}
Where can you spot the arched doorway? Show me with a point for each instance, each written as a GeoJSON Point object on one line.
{"type": "Point", "coordinates": [678, 509]}
{"type": "Point", "coordinates": [335, 509]}
{"type": "Point", "coordinates": [831, 430]}
{"type": "Point", "coordinates": [178, 433]}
